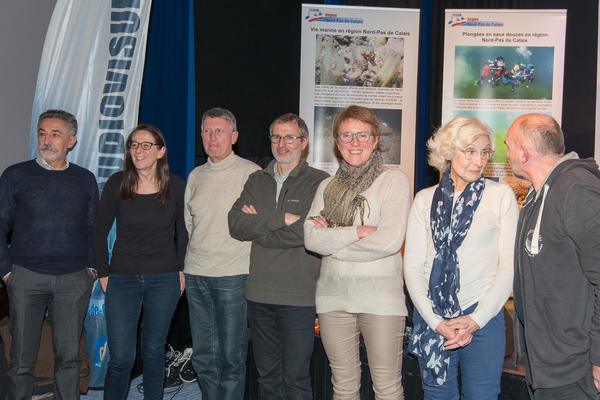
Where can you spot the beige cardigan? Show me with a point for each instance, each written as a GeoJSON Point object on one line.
{"type": "Point", "coordinates": [485, 258]}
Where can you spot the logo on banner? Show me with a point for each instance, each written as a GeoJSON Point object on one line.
{"type": "Point", "coordinates": [316, 15]}
{"type": "Point", "coordinates": [460, 20]}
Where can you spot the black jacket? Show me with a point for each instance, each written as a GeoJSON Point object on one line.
{"type": "Point", "coordinates": [557, 284]}
{"type": "Point", "coordinates": [282, 271]}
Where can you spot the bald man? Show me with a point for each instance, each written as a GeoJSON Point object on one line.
{"type": "Point", "coordinates": [557, 263]}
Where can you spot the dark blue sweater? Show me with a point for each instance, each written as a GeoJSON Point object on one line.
{"type": "Point", "coordinates": [53, 214]}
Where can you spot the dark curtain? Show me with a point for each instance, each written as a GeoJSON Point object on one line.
{"type": "Point", "coordinates": [248, 61]}
{"type": "Point", "coordinates": [164, 99]}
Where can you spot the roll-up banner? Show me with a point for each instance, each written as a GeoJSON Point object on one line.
{"type": "Point", "coordinates": [499, 64]}
{"type": "Point", "coordinates": [365, 56]}
{"type": "Point", "coordinates": [92, 66]}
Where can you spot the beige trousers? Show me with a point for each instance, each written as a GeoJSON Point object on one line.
{"type": "Point", "coordinates": [383, 337]}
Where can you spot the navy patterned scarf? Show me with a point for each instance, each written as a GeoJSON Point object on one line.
{"type": "Point", "coordinates": [449, 226]}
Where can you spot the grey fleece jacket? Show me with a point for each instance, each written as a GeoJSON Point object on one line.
{"type": "Point", "coordinates": [282, 271]}
{"type": "Point", "coordinates": [557, 276]}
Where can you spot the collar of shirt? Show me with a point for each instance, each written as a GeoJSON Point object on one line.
{"type": "Point", "coordinates": [279, 179]}
{"type": "Point", "coordinates": [44, 164]}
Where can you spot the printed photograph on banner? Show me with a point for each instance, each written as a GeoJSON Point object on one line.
{"type": "Point", "coordinates": [389, 141]}
{"type": "Point", "coordinates": [503, 72]}
{"type": "Point", "coordinates": [373, 61]}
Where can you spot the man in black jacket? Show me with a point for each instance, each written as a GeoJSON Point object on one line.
{"type": "Point", "coordinates": [557, 263]}
{"type": "Point", "coordinates": [281, 286]}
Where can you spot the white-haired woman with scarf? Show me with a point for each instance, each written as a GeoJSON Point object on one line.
{"type": "Point", "coordinates": [458, 264]}
{"type": "Point", "coordinates": [357, 223]}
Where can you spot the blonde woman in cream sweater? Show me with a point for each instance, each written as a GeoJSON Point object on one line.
{"type": "Point", "coordinates": [357, 223]}
{"type": "Point", "coordinates": [459, 266]}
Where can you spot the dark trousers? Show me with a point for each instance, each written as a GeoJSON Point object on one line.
{"type": "Point", "coordinates": [126, 295]}
{"type": "Point", "coordinates": [282, 341]}
{"type": "Point", "coordinates": [66, 298]}
{"type": "Point", "coordinates": [583, 389]}
{"type": "Point", "coordinates": [3, 368]}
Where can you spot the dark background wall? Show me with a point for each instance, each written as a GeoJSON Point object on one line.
{"type": "Point", "coordinates": [248, 60]}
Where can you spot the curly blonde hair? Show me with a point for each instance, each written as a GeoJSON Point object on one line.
{"type": "Point", "coordinates": [456, 134]}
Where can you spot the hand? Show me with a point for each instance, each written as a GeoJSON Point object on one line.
{"type": "Point", "coordinates": [103, 283]}
{"type": "Point", "coordinates": [181, 282]}
{"type": "Point", "coordinates": [365, 230]}
{"type": "Point", "coordinates": [6, 277]}
{"type": "Point", "coordinates": [465, 327]}
{"type": "Point", "coordinates": [596, 374]}
{"type": "Point", "coordinates": [447, 332]}
{"type": "Point", "coordinates": [320, 221]}
{"type": "Point", "coordinates": [249, 209]}
{"type": "Point", "coordinates": [291, 218]}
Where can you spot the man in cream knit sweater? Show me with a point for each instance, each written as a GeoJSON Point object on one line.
{"type": "Point", "coordinates": [216, 265]}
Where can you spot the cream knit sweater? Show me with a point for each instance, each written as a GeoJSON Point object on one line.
{"type": "Point", "coordinates": [211, 190]}
{"type": "Point", "coordinates": [363, 275]}
{"type": "Point", "coordinates": [485, 258]}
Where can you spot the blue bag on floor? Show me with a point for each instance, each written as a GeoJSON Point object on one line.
{"type": "Point", "coordinates": [96, 343]}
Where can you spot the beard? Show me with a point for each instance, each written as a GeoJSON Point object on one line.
{"type": "Point", "coordinates": [53, 156]}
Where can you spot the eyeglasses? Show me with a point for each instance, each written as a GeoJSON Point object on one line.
{"type": "Point", "coordinates": [217, 131]}
{"type": "Point", "coordinates": [144, 145]}
{"type": "Point", "coordinates": [470, 154]}
{"type": "Point", "coordinates": [289, 139]}
{"type": "Point", "coordinates": [348, 137]}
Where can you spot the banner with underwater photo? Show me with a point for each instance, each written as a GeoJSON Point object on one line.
{"type": "Point", "coordinates": [500, 64]}
{"type": "Point", "coordinates": [365, 56]}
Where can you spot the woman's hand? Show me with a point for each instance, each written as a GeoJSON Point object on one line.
{"type": "Point", "coordinates": [446, 331]}
{"type": "Point", "coordinates": [181, 282]}
{"type": "Point", "coordinates": [465, 327]}
{"type": "Point", "coordinates": [320, 221]}
{"type": "Point", "coordinates": [365, 230]}
{"type": "Point", "coordinates": [103, 283]}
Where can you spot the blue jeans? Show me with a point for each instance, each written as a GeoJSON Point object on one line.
{"type": "Point", "coordinates": [219, 334]}
{"type": "Point", "coordinates": [480, 365]}
{"type": "Point", "coordinates": [125, 296]}
{"type": "Point", "coordinates": [283, 340]}
{"type": "Point", "coordinates": [66, 298]}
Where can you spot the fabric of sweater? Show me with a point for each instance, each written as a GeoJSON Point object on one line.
{"type": "Point", "coordinates": [363, 275]}
{"type": "Point", "coordinates": [211, 190]}
{"type": "Point", "coordinates": [53, 214]}
{"type": "Point", "coordinates": [485, 258]}
{"type": "Point", "coordinates": [146, 230]}
{"type": "Point", "coordinates": [557, 265]}
{"type": "Point", "coordinates": [282, 272]}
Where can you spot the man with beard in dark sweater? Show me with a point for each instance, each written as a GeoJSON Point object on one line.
{"type": "Point", "coordinates": [281, 285]}
{"type": "Point", "coordinates": [557, 263]}
{"type": "Point", "coordinates": [52, 204]}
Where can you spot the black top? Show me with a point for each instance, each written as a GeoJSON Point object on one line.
{"type": "Point", "coordinates": [53, 214]}
{"type": "Point", "coordinates": [146, 240]}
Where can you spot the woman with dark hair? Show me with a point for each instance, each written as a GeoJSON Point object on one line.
{"type": "Point", "coordinates": [145, 270]}
{"type": "Point", "coordinates": [358, 224]}
{"type": "Point", "coordinates": [458, 266]}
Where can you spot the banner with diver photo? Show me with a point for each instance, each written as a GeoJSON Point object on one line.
{"type": "Point", "coordinates": [92, 66]}
{"type": "Point", "coordinates": [365, 56]}
{"type": "Point", "coordinates": [499, 64]}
